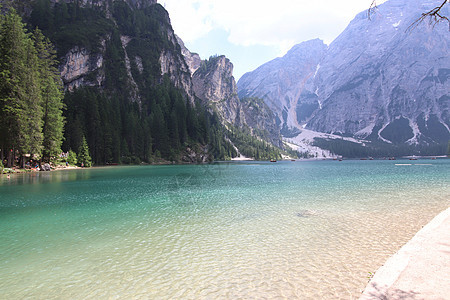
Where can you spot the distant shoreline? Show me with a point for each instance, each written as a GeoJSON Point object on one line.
{"type": "Point", "coordinates": [243, 160]}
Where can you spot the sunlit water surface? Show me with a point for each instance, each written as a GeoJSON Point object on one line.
{"type": "Point", "coordinates": [309, 230]}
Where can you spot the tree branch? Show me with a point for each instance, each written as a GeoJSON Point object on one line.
{"type": "Point", "coordinates": [435, 16]}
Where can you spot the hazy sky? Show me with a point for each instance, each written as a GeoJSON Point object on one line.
{"type": "Point", "coordinates": [252, 32]}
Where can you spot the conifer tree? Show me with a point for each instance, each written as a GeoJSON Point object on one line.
{"type": "Point", "coordinates": [20, 99]}
{"type": "Point", "coordinates": [52, 95]}
{"type": "Point", "coordinates": [83, 158]}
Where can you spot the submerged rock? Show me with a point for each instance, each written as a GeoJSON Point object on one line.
{"type": "Point", "coordinates": [306, 213]}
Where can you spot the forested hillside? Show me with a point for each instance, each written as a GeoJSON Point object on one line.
{"type": "Point", "coordinates": [158, 123]}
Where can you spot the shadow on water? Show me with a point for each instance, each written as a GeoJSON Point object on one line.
{"type": "Point", "coordinates": [381, 293]}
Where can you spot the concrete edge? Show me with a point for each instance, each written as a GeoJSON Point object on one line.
{"type": "Point", "coordinates": [387, 275]}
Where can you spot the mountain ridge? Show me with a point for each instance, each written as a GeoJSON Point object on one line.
{"type": "Point", "coordinates": [379, 80]}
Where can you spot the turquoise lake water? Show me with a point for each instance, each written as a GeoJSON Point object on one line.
{"type": "Point", "coordinates": [307, 230]}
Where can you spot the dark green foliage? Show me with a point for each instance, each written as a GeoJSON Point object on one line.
{"type": "Point", "coordinates": [72, 158]}
{"type": "Point", "coordinates": [398, 131]}
{"type": "Point", "coordinates": [69, 25]}
{"type": "Point", "coordinates": [51, 90]}
{"type": "Point", "coordinates": [433, 130]}
{"type": "Point", "coordinates": [83, 157]}
{"type": "Point", "coordinates": [208, 64]}
{"type": "Point", "coordinates": [253, 146]}
{"type": "Point", "coordinates": [377, 149]}
{"type": "Point", "coordinates": [30, 99]}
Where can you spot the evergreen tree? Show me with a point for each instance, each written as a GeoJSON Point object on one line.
{"type": "Point", "coordinates": [20, 98]}
{"type": "Point", "coordinates": [83, 157]}
{"type": "Point", "coordinates": [51, 90]}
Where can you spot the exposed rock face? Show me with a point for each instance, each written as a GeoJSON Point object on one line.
{"type": "Point", "coordinates": [77, 64]}
{"type": "Point", "coordinates": [173, 63]}
{"type": "Point", "coordinates": [261, 118]}
{"type": "Point", "coordinates": [193, 60]}
{"type": "Point", "coordinates": [214, 84]}
{"type": "Point", "coordinates": [377, 80]}
{"type": "Point", "coordinates": [388, 83]}
{"type": "Point", "coordinates": [283, 80]}
{"type": "Point", "coordinates": [175, 67]}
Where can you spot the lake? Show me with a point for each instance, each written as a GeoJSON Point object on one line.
{"type": "Point", "coordinates": [308, 230]}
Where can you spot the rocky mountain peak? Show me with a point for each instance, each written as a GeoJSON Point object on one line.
{"type": "Point", "coordinates": [214, 84]}
{"type": "Point", "coordinates": [380, 79]}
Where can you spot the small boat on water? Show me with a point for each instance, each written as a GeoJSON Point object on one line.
{"type": "Point", "coordinates": [273, 160]}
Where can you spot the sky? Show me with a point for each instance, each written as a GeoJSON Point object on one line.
{"type": "Point", "coordinates": [253, 32]}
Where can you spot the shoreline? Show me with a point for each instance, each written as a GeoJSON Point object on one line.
{"type": "Point", "coordinates": [167, 163]}
{"type": "Point", "coordinates": [419, 269]}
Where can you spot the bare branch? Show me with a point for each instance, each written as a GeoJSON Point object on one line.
{"type": "Point", "coordinates": [434, 15]}
{"type": "Point", "coordinates": [372, 9]}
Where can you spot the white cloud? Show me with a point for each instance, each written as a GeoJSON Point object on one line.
{"type": "Point", "coordinates": [279, 23]}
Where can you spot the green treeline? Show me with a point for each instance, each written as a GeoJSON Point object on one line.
{"type": "Point", "coordinates": [252, 146]}
{"type": "Point", "coordinates": [377, 149]}
{"type": "Point", "coordinates": [146, 119]}
{"type": "Point", "coordinates": [30, 93]}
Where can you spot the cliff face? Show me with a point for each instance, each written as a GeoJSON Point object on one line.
{"type": "Point", "coordinates": [193, 60]}
{"type": "Point", "coordinates": [128, 50]}
{"type": "Point", "coordinates": [86, 66]}
{"type": "Point", "coordinates": [214, 84]}
{"type": "Point", "coordinates": [282, 81]}
{"type": "Point", "coordinates": [389, 83]}
{"type": "Point", "coordinates": [77, 64]}
{"type": "Point", "coordinates": [379, 80]}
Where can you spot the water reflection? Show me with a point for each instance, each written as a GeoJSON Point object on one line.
{"type": "Point", "coordinates": [44, 177]}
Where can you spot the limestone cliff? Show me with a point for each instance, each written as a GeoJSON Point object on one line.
{"type": "Point", "coordinates": [77, 64]}
{"type": "Point", "coordinates": [215, 86]}
{"type": "Point", "coordinates": [379, 80]}
{"type": "Point", "coordinates": [193, 60]}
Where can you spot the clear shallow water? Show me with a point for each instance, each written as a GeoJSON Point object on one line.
{"type": "Point", "coordinates": [304, 230]}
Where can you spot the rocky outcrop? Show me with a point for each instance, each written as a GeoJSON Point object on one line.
{"type": "Point", "coordinates": [214, 84]}
{"type": "Point", "coordinates": [379, 80]}
{"type": "Point", "coordinates": [262, 120]}
{"type": "Point", "coordinates": [76, 66]}
{"type": "Point", "coordinates": [173, 63]}
{"type": "Point", "coordinates": [193, 60]}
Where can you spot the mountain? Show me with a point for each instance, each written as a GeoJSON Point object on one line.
{"type": "Point", "coordinates": [381, 80]}
{"type": "Point", "coordinates": [282, 81]}
{"type": "Point", "coordinates": [137, 94]}
{"type": "Point", "coordinates": [128, 87]}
